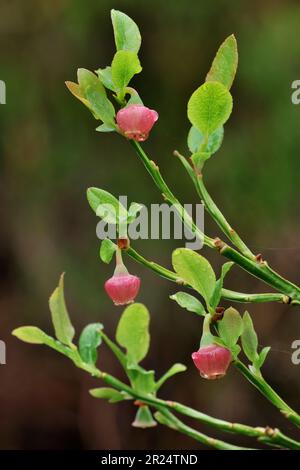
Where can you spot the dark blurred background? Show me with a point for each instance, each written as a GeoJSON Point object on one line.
{"type": "Point", "coordinates": [50, 154]}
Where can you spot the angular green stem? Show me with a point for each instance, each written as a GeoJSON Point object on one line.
{"type": "Point", "coordinates": [267, 391]}
{"type": "Point", "coordinates": [257, 268]}
{"type": "Point", "coordinates": [226, 293]}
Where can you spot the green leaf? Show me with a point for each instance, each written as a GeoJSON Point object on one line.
{"type": "Point", "coordinates": [63, 327]}
{"type": "Point", "coordinates": [124, 66]}
{"type": "Point", "coordinates": [209, 107]}
{"type": "Point", "coordinates": [196, 139]}
{"type": "Point", "coordinates": [76, 91]}
{"type": "Point", "coordinates": [225, 63]}
{"type": "Point", "coordinates": [195, 270]}
{"type": "Point", "coordinates": [106, 78]}
{"type": "Point", "coordinates": [189, 302]}
{"type": "Point", "coordinates": [142, 380]}
{"type": "Point", "coordinates": [230, 327]}
{"type": "Point", "coordinates": [133, 332]}
{"type": "Point", "coordinates": [133, 211]}
{"type": "Point", "coordinates": [110, 394]}
{"type": "Point", "coordinates": [87, 79]}
{"type": "Point", "coordinates": [101, 106]}
{"type": "Point", "coordinates": [30, 334]}
{"type": "Point", "coordinates": [175, 369]}
{"type": "Point", "coordinates": [259, 362]}
{"type": "Point", "coordinates": [249, 338]}
{"type": "Point", "coordinates": [216, 297]}
{"type": "Point", "coordinates": [126, 32]}
{"type": "Point", "coordinates": [105, 128]}
{"type": "Point", "coordinates": [33, 335]}
{"type": "Point", "coordinates": [199, 158]}
{"type": "Point", "coordinates": [89, 341]}
{"type": "Point", "coordinates": [106, 206]}
{"type": "Point", "coordinates": [107, 250]}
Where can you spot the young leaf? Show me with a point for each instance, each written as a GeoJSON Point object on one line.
{"type": "Point", "coordinates": [175, 369]}
{"type": "Point", "coordinates": [249, 338]}
{"type": "Point", "coordinates": [209, 107]}
{"type": "Point", "coordinates": [133, 211]}
{"type": "Point", "coordinates": [76, 91]}
{"type": "Point", "coordinates": [259, 362]}
{"type": "Point", "coordinates": [105, 128]}
{"type": "Point", "coordinates": [133, 332]}
{"type": "Point", "coordinates": [107, 250]}
{"type": "Point", "coordinates": [126, 32]}
{"type": "Point", "coordinates": [106, 78]}
{"type": "Point", "coordinates": [110, 394]}
{"type": "Point", "coordinates": [106, 205]}
{"type": "Point", "coordinates": [87, 79]}
{"type": "Point", "coordinates": [196, 139]}
{"type": "Point", "coordinates": [216, 297]}
{"type": "Point", "coordinates": [230, 327]}
{"type": "Point", "coordinates": [102, 107]}
{"type": "Point", "coordinates": [124, 66]}
{"type": "Point", "coordinates": [89, 341]}
{"type": "Point", "coordinates": [189, 302]}
{"type": "Point", "coordinates": [225, 63]}
{"type": "Point", "coordinates": [30, 334]}
{"type": "Point", "coordinates": [195, 270]}
{"type": "Point", "coordinates": [199, 158]}
{"type": "Point", "coordinates": [142, 380]}
{"type": "Point", "coordinates": [63, 327]}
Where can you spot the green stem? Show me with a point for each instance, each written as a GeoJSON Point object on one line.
{"type": "Point", "coordinates": [213, 210]}
{"type": "Point", "coordinates": [259, 269]}
{"type": "Point", "coordinates": [267, 391]}
{"type": "Point", "coordinates": [168, 419]}
{"type": "Point", "coordinates": [226, 293]}
{"type": "Point", "coordinates": [267, 435]}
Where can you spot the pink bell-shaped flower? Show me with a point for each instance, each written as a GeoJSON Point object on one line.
{"type": "Point", "coordinates": [212, 361]}
{"type": "Point", "coordinates": [136, 121]}
{"type": "Point", "coordinates": [122, 287]}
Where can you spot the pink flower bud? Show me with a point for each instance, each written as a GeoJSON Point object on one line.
{"type": "Point", "coordinates": [136, 121]}
{"type": "Point", "coordinates": [122, 288]}
{"type": "Point", "coordinates": [212, 361]}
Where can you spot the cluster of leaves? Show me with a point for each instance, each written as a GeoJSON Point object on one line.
{"type": "Point", "coordinates": [195, 271]}
{"type": "Point", "coordinates": [115, 78]}
{"type": "Point", "coordinates": [211, 104]}
{"type": "Point", "coordinates": [131, 347]}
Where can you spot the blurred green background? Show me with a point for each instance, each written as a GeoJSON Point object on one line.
{"type": "Point", "coordinates": [50, 154]}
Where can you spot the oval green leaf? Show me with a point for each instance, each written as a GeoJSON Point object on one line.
{"type": "Point", "coordinates": [225, 63]}
{"type": "Point", "coordinates": [133, 332]}
{"type": "Point", "coordinates": [126, 32]}
{"type": "Point", "coordinates": [195, 270]}
{"type": "Point", "coordinates": [209, 107]}
{"type": "Point", "coordinates": [63, 327]}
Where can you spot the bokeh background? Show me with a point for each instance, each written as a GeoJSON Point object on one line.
{"type": "Point", "coordinates": [50, 154]}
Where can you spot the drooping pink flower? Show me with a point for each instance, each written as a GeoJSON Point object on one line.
{"type": "Point", "coordinates": [122, 288]}
{"type": "Point", "coordinates": [212, 361]}
{"type": "Point", "coordinates": [136, 121]}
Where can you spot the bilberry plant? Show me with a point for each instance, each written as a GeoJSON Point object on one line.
{"type": "Point", "coordinates": [227, 336]}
